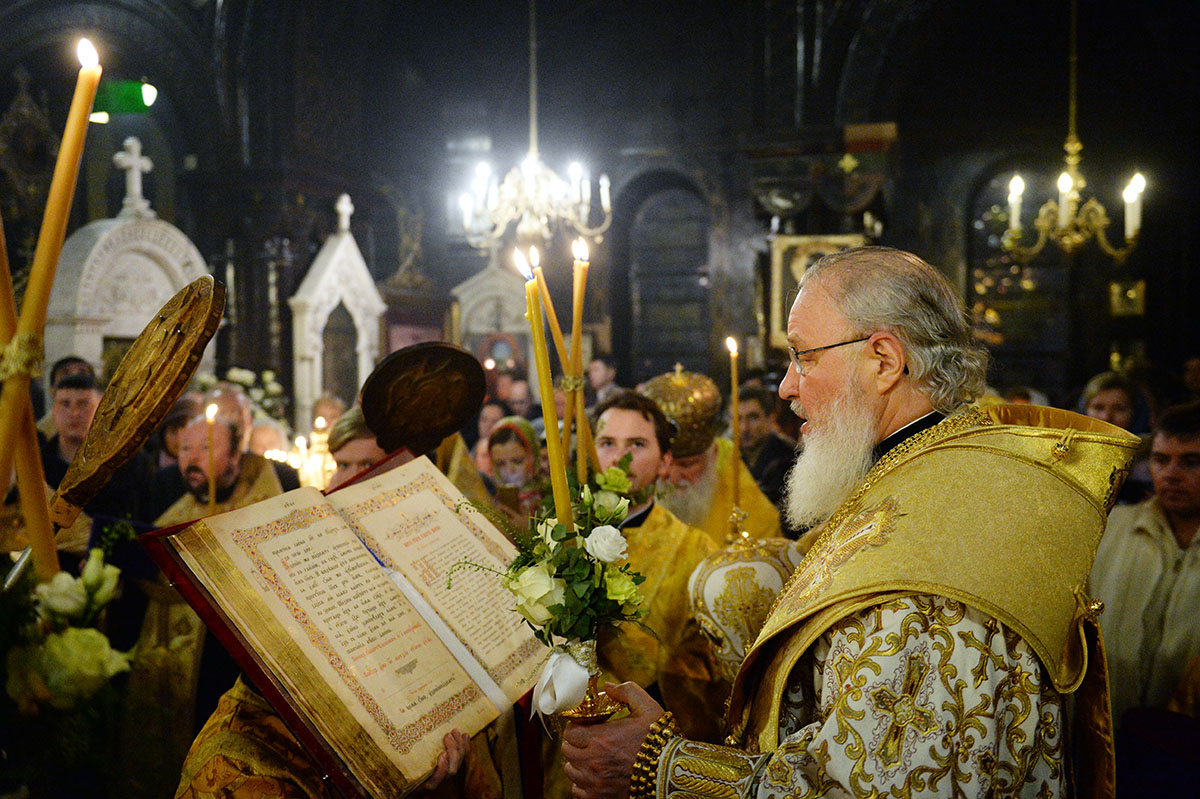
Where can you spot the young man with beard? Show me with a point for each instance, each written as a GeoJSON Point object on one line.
{"type": "Point", "coordinates": [925, 645]}
{"type": "Point", "coordinates": [699, 483]}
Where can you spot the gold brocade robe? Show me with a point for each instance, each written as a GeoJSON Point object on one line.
{"type": "Point", "coordinates": [454, 460]}
{"type": "Point", "coordinates": [924, 645]}
{"type": "Point", "coordinates": [762, 518]}
{"type": "Point", "coordinates": [158, 709]}
{"type": "Point", "coordinates": [666, 551]}
{"type": "Point", "coordinates": [246, 751]}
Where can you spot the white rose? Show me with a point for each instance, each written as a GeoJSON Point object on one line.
{"type": "Point", "coordinates": [63, 595]}
{"type": "Point", "coordinates": [545, 531]}
{"type": "Point", "coordinates": [93, 571]}
{"type": "Point", "coordinates": [78, 662]}
{"type": "Point", "coordinates": [606, 544]}
{"type": "Point", "coordinates": [610, 506]}
{"type": "Point", "coordinates": [536, 591]}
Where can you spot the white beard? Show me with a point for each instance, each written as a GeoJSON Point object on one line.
{"type": "Point", "coordinates": [836, 457]}
{"type": "Point", "coordinates": [691, 502]}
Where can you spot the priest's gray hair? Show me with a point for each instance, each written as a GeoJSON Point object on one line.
{"type": "Point", "coordinates": [880, 288]}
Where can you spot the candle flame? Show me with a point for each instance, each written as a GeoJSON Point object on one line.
{"type": "Point", "coordinates": [210, 412]}
{"type": "Point", "coordinates": [301, 442]}
{"type": "Point", "coordinates": [1137, 183]}
{"type": "Point", "coordinates": [1016, 186]}
{"type": "Point", "coordinates": [1065, 184]}
{"type": "Point", "coordinates": [522, 264]}
{"type": "Point", "coordinates": [88, 57]}
{"type": "Point", "coordinates": [535, 258]}
{"type": "Point", "coordinates": [319, 423]}
{"type": "Point", "coordinates": [579, 249]}
{"type": "Point", "coordinates": [731, 344]}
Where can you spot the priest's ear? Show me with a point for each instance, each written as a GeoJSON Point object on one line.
{"type": "Point", "coordinates": [664, 466]}
{"type": "Point", "coordinates": [887, 359]}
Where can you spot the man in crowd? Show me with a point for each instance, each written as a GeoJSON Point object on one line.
{"type": "Point", "coordinates": [73, 406]}
{"type": "Point", "coordinates": [602, 376]}
{"type": "Point", "coordinates": [1147, 571]}
{"type": "Point", "coordinates": [180, 671]}
{"type": "Point", "coordinates": [766, 451]}
{"type": "Point", "coordinates": [520, 399]}
{"type": "Point", "coordinates": [63, 367]}
{"type": "Point", "coordinates": [860, 684]}
{"type": "Point", "coordinates": [699, 486]}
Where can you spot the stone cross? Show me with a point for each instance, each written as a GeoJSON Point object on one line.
{"type": "Point", "coordinates": [135, 164]}
{"type": "Point", "coordinates": [344, 209]}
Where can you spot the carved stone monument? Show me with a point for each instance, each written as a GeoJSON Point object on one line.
{"type": "Point", "coordinates": [114, 274]}
{"type": "Point", "coordinates": [492, 318]}
{"type": "Point", "coordinates": [338, 292]}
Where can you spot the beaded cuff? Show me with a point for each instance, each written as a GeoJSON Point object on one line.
{"type": "Point", "coordinates": [643, 782]}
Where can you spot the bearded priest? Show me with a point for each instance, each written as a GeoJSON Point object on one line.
{"type": "Point", "coordinates": [927, 643]}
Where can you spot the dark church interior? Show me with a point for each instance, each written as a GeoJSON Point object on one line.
{"type": "Point", "coordinates": [721, 125]}
{"type": "Point", "coordinates": [705, 153]}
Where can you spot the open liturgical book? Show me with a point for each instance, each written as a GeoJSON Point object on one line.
{"type": "Point", "coordinates": [338, 608]}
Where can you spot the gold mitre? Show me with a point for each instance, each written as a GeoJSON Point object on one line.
{"type": "Point", "coordinates": [731, 592]}
{"type": "Point", "coordinates": [692, 402]}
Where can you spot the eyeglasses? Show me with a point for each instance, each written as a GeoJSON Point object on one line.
{"type": "Point", "coordinates": [801, 366]}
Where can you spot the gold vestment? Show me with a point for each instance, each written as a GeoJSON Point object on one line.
{"type": "Point", "coordinates": [159, 703]}
{"type": "Point", "coordinates": [936, 517]}
{"type": "Point", "coordinates": [666, 551]}
{"type": "Point", "coordinates": [762, 518]}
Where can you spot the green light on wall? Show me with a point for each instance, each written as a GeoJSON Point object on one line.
{"type": "Point", "coordinates": [124, 97]}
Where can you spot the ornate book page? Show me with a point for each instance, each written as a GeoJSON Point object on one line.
{"type": "Point", "coordinates": [353, 654]}
{"type": "Point", "coordinates": [416, 522]}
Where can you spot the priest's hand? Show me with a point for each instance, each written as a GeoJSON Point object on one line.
{"type": "Point", "coordinates": [600, 756]}
{"type": "Point", "coordinates": [449, 761]}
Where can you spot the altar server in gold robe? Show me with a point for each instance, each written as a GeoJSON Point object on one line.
{"type": "Point", "coordinates": [926, 645]}
{"type": "Point", "coordinates": [673, 660]}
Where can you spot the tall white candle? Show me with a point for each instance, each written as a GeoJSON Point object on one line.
{"type": "Point", "coordinates": [1016, 187]}
{"type": "Point", "coordinates": [1133, 206]}
{"type": "Point", "coordinates": [1064, 199]}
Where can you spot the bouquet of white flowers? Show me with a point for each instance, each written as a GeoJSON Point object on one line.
{"type": "Point", "coordinates": [571, 583]}
{"type": "Point", "coordinates": [55, 665]}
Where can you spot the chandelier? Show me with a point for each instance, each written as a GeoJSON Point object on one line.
{"type": "Point", "coordinates": [532, 194]}
{"type": "Point", "coordinates": [1065, 222]}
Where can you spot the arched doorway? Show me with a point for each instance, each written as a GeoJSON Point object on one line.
{"type": "Point", "coordinates": [660, 291]}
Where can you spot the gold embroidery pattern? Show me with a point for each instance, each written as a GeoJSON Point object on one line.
{"type": "Point", "coordinates": [917, 697]}
{"type": "Point", "coordinates": [867, 528]}
{"type": "Point", "coordinates": [743, 605]}
{"type": "Point", "coordinates": [904, 710]}
{"type": "Point", "coordinates": [953, 425]}
{"type": "Point", "coordinates": [695, 770]}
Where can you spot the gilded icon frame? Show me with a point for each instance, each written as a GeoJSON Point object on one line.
{"type": "Point", "coordinates": [790, 257]}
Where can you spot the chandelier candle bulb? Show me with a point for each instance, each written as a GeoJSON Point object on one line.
{"type": "Point", "coordinates": [1016, 187]}
{"type": "Point", "coordinates": [210, 413]}
{"type": "Point", "coordinates": [1064, 199]}
{"type": "Point", "coordinates": [734, 421]}
{"type": "Point", "coordinates": [1133, 206]}
{"type": "Point", "coordinates": [605, 197]}
{"type": "Point", "coordinates": [541, 359]}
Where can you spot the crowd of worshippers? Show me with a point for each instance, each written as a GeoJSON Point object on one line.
{"type": "Point", "coordinates": [676, 429]}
